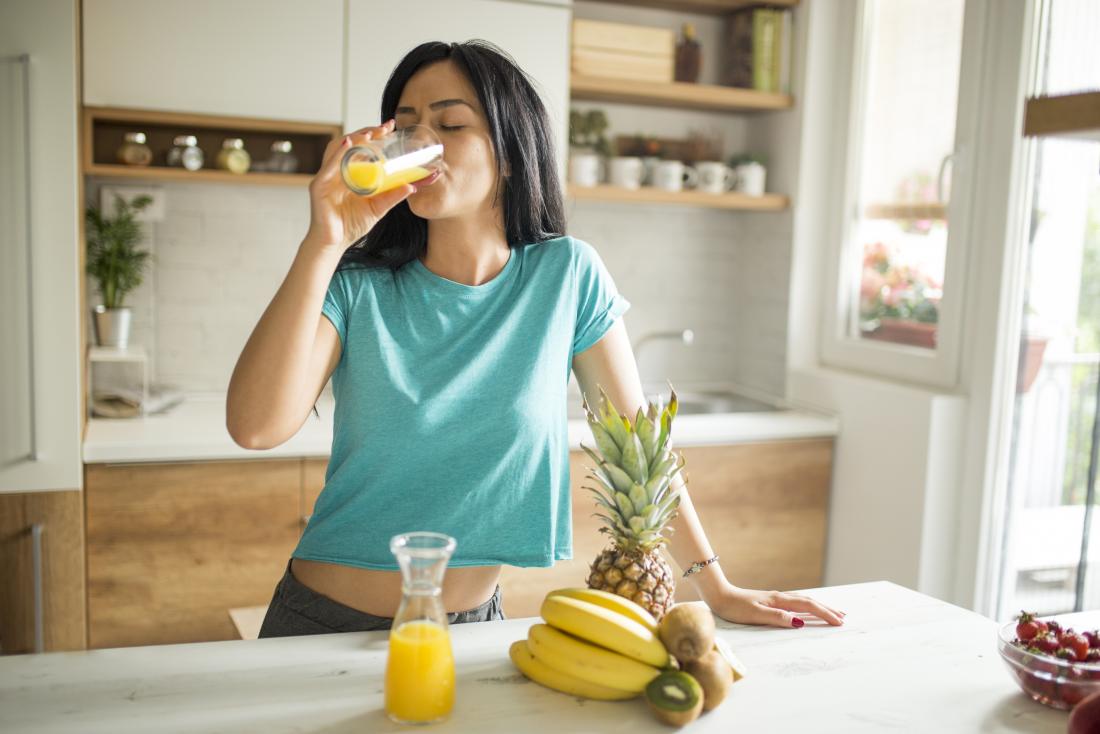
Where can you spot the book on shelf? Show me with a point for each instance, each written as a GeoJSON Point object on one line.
{"type": "Point", "coordinates": [758, 50]}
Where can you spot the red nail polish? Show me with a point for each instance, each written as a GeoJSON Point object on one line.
{"type": "Point", "coordinates": [797, 622]}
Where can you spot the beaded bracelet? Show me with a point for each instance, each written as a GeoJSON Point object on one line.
{"type": "Point", "coordinates": [699, 566]}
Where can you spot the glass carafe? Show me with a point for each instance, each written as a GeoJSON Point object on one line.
{"type": "Point", "coordinates": [420, 669]}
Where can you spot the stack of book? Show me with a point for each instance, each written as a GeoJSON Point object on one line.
{"type": "Point", "coordinates": [758, 50]}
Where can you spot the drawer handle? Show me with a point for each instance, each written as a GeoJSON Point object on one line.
{"type": "Point", "coordinates": [36, 564]}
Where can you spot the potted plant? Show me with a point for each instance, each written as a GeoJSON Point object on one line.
{"type": "Point", "coordinates": [1033, 344]}
{"type": "Point", "coordinates": [899, 303]}
{"type": "Point", "coordinates": [117, 265]}
{"type": "Point", "coordinates": [588, 147]}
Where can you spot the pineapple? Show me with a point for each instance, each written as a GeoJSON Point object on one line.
{"type": "Point", "coordinates": [634, 472]}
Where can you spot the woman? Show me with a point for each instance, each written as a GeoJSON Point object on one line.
{"type": "Point", "coordinates": [448, 314]}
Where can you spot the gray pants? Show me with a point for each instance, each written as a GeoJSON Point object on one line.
{"type": "Point", "coordinates": [296, 609]}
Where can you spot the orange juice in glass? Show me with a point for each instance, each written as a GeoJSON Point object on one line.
{"type": "Point", "coordinates": [403, 156]}
{"type": "Point", "coordinates": [420, 669]}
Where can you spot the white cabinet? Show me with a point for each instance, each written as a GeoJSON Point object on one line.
{"type": "Point", "coordinates": [40, 418]}
{"type": "Point", "coordinates": [536, 35]}
{"type": "Point", "coordinates": [275, 59]}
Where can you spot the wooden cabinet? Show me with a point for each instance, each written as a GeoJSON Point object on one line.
{"type": "Point", "coordinates": [280, 59]}
{"type": "Point", "coordinates": [763, 505]}
{"type": "Point", "coordinates": [59, 517]}
{"type": "Point", "coordinates": [172, 547]}
{"type": "Point", "coordinates": [40, 212]}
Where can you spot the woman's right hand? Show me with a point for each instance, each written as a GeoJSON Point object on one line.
{"type": "Point", "coordinates": [338, 216]}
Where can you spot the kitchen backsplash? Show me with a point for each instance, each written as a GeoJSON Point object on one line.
{"type": "Point", "coordinates": [222, 251]}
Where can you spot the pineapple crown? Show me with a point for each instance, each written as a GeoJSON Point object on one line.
{"type": "Point", "coordinates": [634, 471]}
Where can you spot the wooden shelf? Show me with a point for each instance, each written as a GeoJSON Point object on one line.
{"type": "Point", "coordinates": [925, 210]}
{"type": "Point", "coordinates": [678, 94]}
{"type": "Point", "coordinates": [650, 195]}
{"type": "Point", "coordinates": [164, 173]}
{"type": "Point", "coordinates": [707, 7]}
{"type": "Point", "coordinates": [1067, 115]}
{"type": "Point", "coordinates": [103, 128]}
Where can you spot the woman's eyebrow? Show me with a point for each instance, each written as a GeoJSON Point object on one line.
{"type": "Point", "coordinates": [435, 105]}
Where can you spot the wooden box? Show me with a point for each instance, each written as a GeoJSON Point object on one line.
{"type": "Point", "coordinates": [622, 51]}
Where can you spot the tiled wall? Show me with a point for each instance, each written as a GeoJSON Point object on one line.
{"type": "Point", "coordinates": [222, 251]}
{"type": "Point", "coordinates": [219, 255]}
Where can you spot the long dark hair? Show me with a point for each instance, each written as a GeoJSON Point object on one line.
{"type": "Point", "coordinates": [523, 142]}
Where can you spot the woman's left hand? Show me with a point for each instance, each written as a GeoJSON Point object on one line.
{"type": "Point", "coordinates": [775, 608]}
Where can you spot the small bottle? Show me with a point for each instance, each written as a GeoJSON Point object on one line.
{"type": "Point", "coordinates": [689, 56]}
{"type": "Point", "coordinates": [134, 151]}
{"type": "Point", "coordinates": [185, 153]}
{"type": "Point", "coordinates": [233, 157]}
{"type": "Point", "coordinates": [282, 158]}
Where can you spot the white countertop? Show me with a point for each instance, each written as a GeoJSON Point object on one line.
{"type": "Point", "coordinates": [195, 431]}
{"type": "Point", "coordinates": [902, 662]}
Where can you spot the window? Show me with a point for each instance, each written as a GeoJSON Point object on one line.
{"type": "Point", "coordinates": [899, 263]}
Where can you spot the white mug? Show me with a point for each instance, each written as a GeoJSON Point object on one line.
{"type": "Point", "coordinates": [674, 175]}
{"type": "Point", "coordinates": [586, 168]}
{"type": "Point", "coordinates": [715, 177]}
{"type": "Point", "coordinates": [650, 163]}
{"type": "Point", "coordinates": [750, 178]}
{"type": "Point", "coordinates": [627, 172]}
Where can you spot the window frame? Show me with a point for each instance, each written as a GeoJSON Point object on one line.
{"type": "Point", "coordinates": [940, 367]}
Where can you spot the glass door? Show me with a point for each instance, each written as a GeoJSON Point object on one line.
{"type": "Point", "coordinates": [1050, 549]}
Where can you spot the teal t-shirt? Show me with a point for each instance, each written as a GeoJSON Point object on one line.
{"type": "Point", "coordinates": [451, 407]}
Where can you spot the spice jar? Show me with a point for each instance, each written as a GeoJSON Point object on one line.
{"type": "Point", "coordinates": [282, 159]}
{"type": "Point", "coordinates": [134, 151]}
{"type": "Point", "coordinates": [185, 153]}
{"type": "Point", "coordinates": [233, 157]}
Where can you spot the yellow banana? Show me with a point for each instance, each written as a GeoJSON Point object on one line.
{"type": "Point", "coordinates": [606, 628]}
{"type": "Point", "coordinates": [579, 659]}
{"type": "Point", "coordinates": [735, 663]}
{"type": "Point", "coordinates": [543, 674]}
{"type": "Point", "coordinates": [614, 602]}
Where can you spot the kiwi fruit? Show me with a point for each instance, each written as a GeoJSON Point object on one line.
{"type": "Point", "coordinates": [715, 677]}
{"type": "Point", "coordinates": [675, 697]}
{"type": "Point", "coordinates": [687, 631]}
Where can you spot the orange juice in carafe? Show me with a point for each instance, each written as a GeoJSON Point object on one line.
{"type": "Point", "coordinates": [420, 672]}
{"type": "Point", "coordinates": [420, 666]}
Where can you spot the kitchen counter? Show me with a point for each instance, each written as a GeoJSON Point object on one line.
{"type": "Point", "coordinates": [902, 662]}
{"type": "Point", "coordinates": [195, 431]}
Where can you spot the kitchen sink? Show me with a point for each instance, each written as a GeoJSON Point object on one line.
{"type": "Point", "coordinates": [694, 403]}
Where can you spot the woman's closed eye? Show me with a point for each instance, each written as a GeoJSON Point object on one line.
{"type": "Point", "coordinates": [451, 127]}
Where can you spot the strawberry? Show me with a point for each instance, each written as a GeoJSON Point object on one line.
{"type": "Point", "coordinates": [1078, 644]}
{"type": "Point", "coordinates": [1066, 653]}
{"type": "Point", "coordinates": [1026, 628]}
{"type": "Point", "coordinates": [1093, 638]}
{"type": "Point", "coordinates": [1054, 627]}
{"type": "Point", "coordinates": [1093, 656]}
{"type": "Point", "coordinates": [1047, 643]}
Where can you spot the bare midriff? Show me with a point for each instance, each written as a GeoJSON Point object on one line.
{"type": "Point", "coordinates": [379, 592]}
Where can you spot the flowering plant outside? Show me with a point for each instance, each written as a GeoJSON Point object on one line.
{"type": "Point", "coordinates": [892, 289]}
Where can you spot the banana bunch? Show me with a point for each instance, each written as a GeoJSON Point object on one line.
{"type": "Point", "coordinates": [594, 644]}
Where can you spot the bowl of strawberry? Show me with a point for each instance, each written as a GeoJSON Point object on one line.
{"type": "Point", "coordinates": [1053, 663]}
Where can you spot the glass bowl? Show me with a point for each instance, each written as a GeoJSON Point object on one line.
{"type": "Point", "coordinates": [1057, 683]}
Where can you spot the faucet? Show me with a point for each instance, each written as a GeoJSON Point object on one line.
{"type": "Point", "coordinates": [684, 336]}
